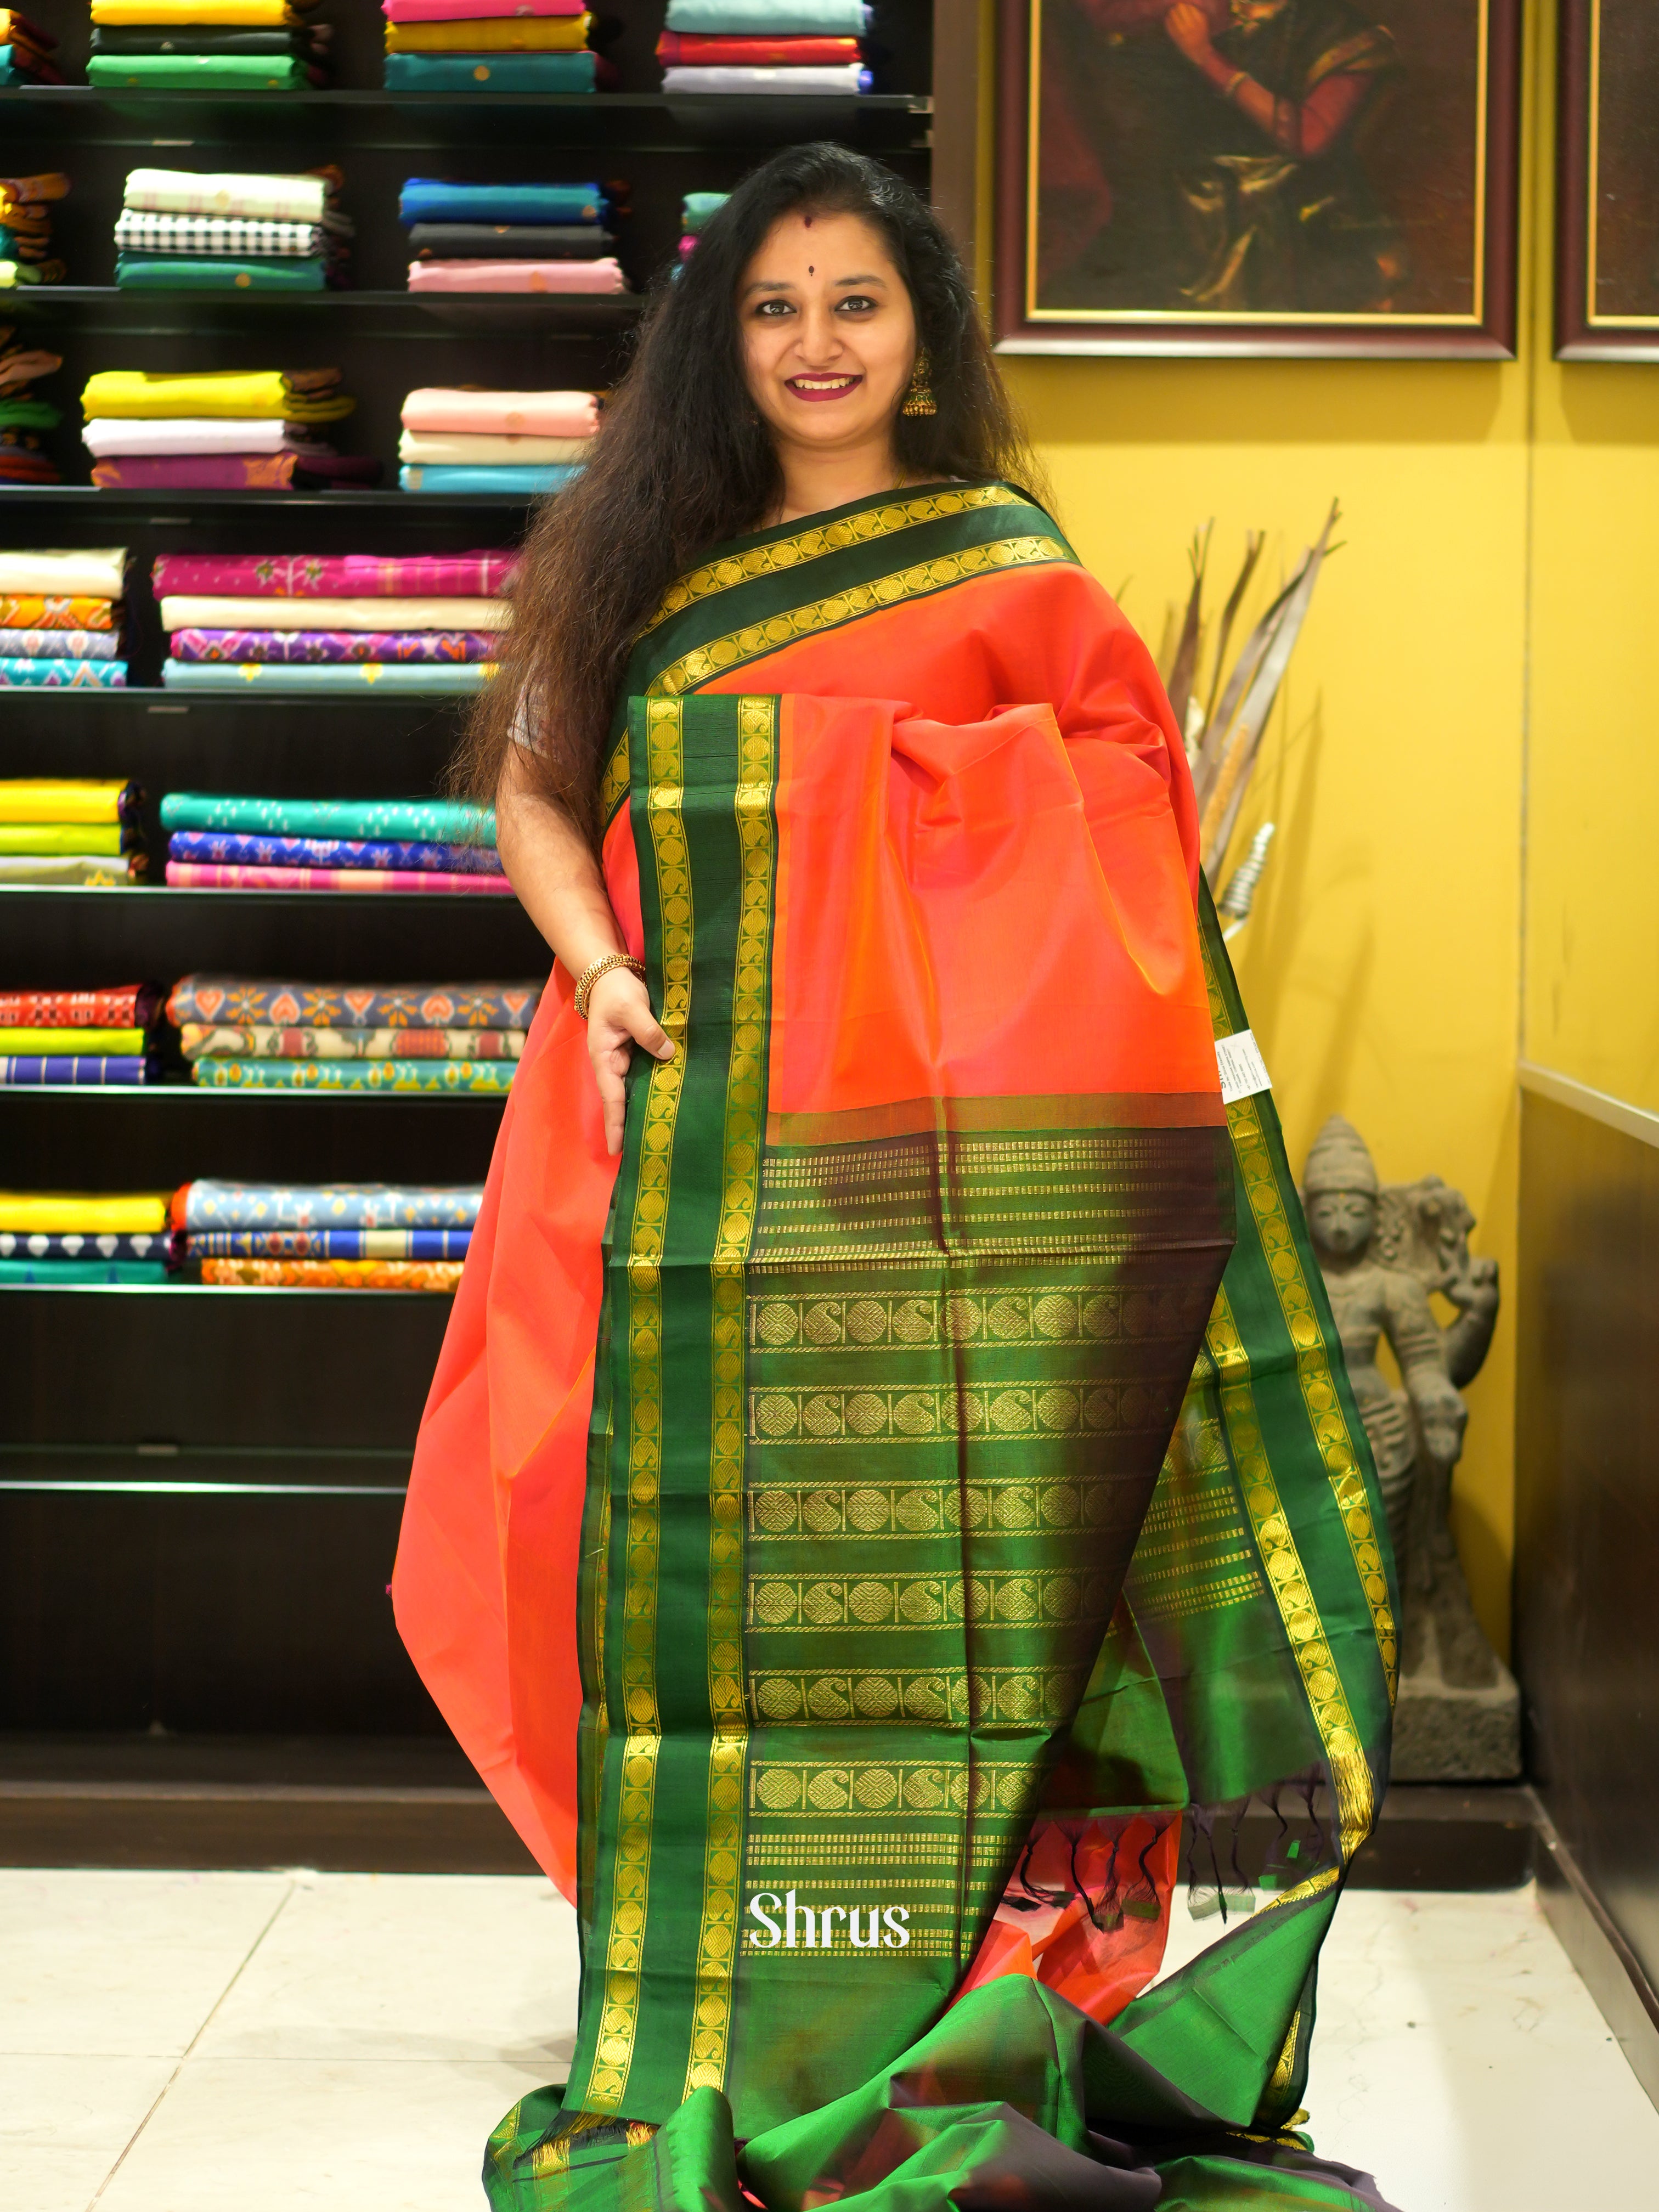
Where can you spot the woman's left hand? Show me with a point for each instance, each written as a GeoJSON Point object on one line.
{"type": "Point", "coordinates": [1189, 26]}
{"type": "Point", "coordinates": [619, 1017]}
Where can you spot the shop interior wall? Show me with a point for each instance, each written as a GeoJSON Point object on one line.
{"type": "Point", "coordinates": [1382, 967]}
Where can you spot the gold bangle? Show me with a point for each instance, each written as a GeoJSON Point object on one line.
{"type": "Point", "coordinates": [591, 974]}
{"type": "Point", "coordinates": [1238, 78]}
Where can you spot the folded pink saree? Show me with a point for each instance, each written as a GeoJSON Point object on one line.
{"type": "Point", "coordinates": [542, 414]}
{"type": "Point", "coordinates": [335, 575]}
{"type": "Point", "coordinates": [214, 876]}
{"type": "Point", "coordinates": [604, 275]}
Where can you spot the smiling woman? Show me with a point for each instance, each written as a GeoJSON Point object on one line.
{"type": "Point", "coordinates": [867, 1496]}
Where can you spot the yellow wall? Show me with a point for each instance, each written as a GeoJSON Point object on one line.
{"type": "Point", "coordinates": [1382, 967]}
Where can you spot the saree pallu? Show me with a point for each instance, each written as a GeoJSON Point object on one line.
{"type": "Point", "coordinates": [203, 875]}
{"type": "Point", "coordinates": [64, 675]}
{"type": "Point", "coordinates": [329, 646]}
{"type": "Point", "coordinates": [334, 575]}
{"type": "Point", "coordinates": [125, 1006]}
{"type": "Point", "coordinates": [141, 1244]}
{"type": "Point", "coordinates": [359, 1007]}
{"type": "Point", "coordinates": [947, 1536]}
{"type": "Point", "coordinates": [332, 853]}
{"type": "Point", "coordinates": [207, 1204]}
{"type": "Point", "coordinates": [57, 644]}
{"type": "Point", "coordinates": [330, 1244]}
{"type": "Point", "coordinates": [452, 676]}
{"type": "Point", "coordinates": [480, 1078]}
{"type": "Point", "coordinates": [436, 821]}
{"type": "Point", "coordinates": [333, 1275]}
{"type": "Point", "coordinates": [35, 610]}
{"type": "Point", "coordinates": [264, 1041]}
{"type": "Point", "coordinates": [33, 1069]}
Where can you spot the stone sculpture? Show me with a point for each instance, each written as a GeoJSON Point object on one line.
{"type": "Point", "coordinates": [1385, 1249]}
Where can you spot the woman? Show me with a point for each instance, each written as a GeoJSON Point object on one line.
{"type": "Point", "coordinates": [778, 1541]}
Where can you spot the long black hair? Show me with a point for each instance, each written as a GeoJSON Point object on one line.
{"type": "Point", "coordinates": [684, 462]}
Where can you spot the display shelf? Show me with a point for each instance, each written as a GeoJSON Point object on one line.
{"type": "Point", "coordinates": [302, 315]}
{"type": "Point", "coordinates": [165, 506]}
{"type": "Point", "coordinates": [618, 121]}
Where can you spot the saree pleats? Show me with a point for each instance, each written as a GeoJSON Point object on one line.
{"type": "Point", "coordinates": [861, 1533]}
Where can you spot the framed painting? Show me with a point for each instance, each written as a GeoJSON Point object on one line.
{"type": "Point", "coordinates": [1258, 177]}
{"type": "Point", "coordinates": [1606, 251]}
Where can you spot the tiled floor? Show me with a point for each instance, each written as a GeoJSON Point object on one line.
{"type": "Point", "coordinates": [339, 2043]}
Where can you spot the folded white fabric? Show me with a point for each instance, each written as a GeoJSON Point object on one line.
{"type": "Point", "coordinates": [479, 449]}
{"type": "Point", "coordinates": [79, 572]}
{"type": "Point", "coordinates": [108, 435]}
{"type": "Point", "coordinates": [848, 77]}
{"type": "Point", "coordinates": [140, 233]}
{"type": "Point", "coordinates": [192, 611]}
{"type": "Point", "coordinates": [183, 191]}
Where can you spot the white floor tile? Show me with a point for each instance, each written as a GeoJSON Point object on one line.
{"type": "Point", "coordinates": [410, 1966]}
{"type": "Point", "coordinates": [1459, 2059]}
{"type": "Point", "coordinates": [64, 2122]}
{"type": "Point", "coordinates": [290, 2136]}
{"type": "Point", "coordinates": [120, 1963]}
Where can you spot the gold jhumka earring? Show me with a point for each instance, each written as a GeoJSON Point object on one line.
{"type": "Point", "coordinates": [918, 399]}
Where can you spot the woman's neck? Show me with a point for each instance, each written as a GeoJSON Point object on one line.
{"type": "Point", "coordinates": [815, 481]}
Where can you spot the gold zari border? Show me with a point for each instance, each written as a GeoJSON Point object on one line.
{"type": "Point", "coordinates": [717, 1939]}
{"type": "Point", "coordinates": [613, 2050]}
{"type": "Point", "coordinates": [786, 553]}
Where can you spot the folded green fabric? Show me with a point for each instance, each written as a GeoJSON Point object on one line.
{"type": "Point", "coordinates": [46, 1273]}
{"type": "Point", "coordinates": [326, 676]}
{"type": "Point", "coordinates": [202, 273]}
{"type": "Point", "coordinates": [493, 1076]}
{"type": "Point", "coordinates": [198, 72]}
{"type": "Point", "coordinates": [28, 413]}
{"type": "Point", "coordinates": [442, 821]}
{"type": "Point", "coordinates": [489, 72]}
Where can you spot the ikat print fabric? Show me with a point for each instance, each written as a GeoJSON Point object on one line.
{"type": "Point", "coordinates": [57, 644]}
{"type": "Point", "coordinates": [326, 646]}
{"type": "Point", "coordinates": [266, 1041]}
{"type": "Point", "coordinates": [37, 611]}
{"type": "Point", "coordinates": [121, 1005]}
{"type": "Point", "coordinates": [333, 576]}
{"type": "Point", "coordinates": [285, 1004]}
{"type": "Point", "coordinates": [475, 1077]}
{"type": "Point", "coordinates": [330, 1244]}
{"type": "Point", "coordinates": [214, 1204]}
{"type": "Point", "coordinates": [238, 848]}
{"type": "Point", "coordinates": [62, 674]}
{"type": "Point", "coordinates": [333, 1275]}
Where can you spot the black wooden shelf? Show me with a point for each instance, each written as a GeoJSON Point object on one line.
{"type": "Point", "coordinates": [570, 318]}
{"type": "Point", "coordinates": [612, 121]}
{"type": "Point", "coordinates": [165, 506]}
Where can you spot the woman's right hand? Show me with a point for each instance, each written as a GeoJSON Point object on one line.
{"type": "Point", "coordinates": [619, 1017]}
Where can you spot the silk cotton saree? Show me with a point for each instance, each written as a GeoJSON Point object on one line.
{"type": "Point", "coordinates": [860, 1534]}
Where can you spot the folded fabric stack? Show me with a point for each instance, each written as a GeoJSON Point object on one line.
{"type": "Point", "coordinates": [509, 238]}
{"type": "Point", "coordinates": [242, 1034]}
{"type": "Point", "coordinates": [207, 45]}
{"type": "Point", "coordinates": [79, 1036]}
{"type": "Point", "coordinates": [54, 1238]}
{"type": "Point", "coordinates": [328, 1237]}
{"type": "Point", "coordinates": [70, 830]}
{"type": "Point", "coordinates": [25, 254]}
{"type": "Point", "coordinates": [24, 51]}
{"type": "Point", "coordinates": [231, 233]}
{"type": "Point", "coordinates": [230, 429]}
{"type": "Point", "coordinates": [472, 441]}
{"type": "Point", "coordinates": [24, 418]}
{"type": "Point", "coordinates": [764, 46]}
{"type": "Point", "coordinates": [60, 617]}
{"type": "Point", "coordinates": [489, 45]}
{"type": "Point", "coordinates": [696, 210]}
{"type": "Point", "coordinates": [218, 842]}
{"type": "Point", "coordinates": [424, 622]}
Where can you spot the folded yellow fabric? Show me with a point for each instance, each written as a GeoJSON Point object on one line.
{"type": "Point", "coordinates": [56, 799]}
{"type": "Point", "coordinates": [253, 15]}
{"type": "Point", "coordinates": [83, 1213]}
{"type": "Point", "coordinates": [134, 395]}
{"type": "Point", "coordinates": [492, 34]}
{"type": "Point", "coordinates": [75, 1041]}
{"type": "Point", "coordinates": [42, 838]}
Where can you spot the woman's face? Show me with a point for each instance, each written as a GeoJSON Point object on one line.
{"type": "Point", "coordinates": [828, 332]}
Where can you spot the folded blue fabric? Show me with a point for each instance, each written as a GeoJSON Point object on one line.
{"type": "Point", "coordinates": [770, 19]}
{"type": "Point", "coordinates": [326, 676]}
{"type": "Point", "coordinates": [209, 1204]}
{"type": "Point", "coordinates": [490, 72]}
{"type": "Point", "coordinates": [434, 199]}
{"type": "Point", "coordinates": [330, 1244]}
{"type": "Point", "coordinates": [37, 1067]}
{"type": "Point", "coordinates": [36, 1244]}
{"type": "Point", "coordinates": [248, 849]}
{"type": "Point", "coordinates": [527, 482]}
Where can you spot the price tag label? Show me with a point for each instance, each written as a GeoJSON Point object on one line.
{"type": "Point", "coordinates": [1243, 1071]}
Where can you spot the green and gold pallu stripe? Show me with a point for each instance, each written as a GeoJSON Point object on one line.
{"type": "Point", "coordinates": [791, 584]}
{"type": "Point", "coordinates": [687, 1195]}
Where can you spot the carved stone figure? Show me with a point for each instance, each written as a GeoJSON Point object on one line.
{"type": "Point", "coordinates": [1384, 1251]}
